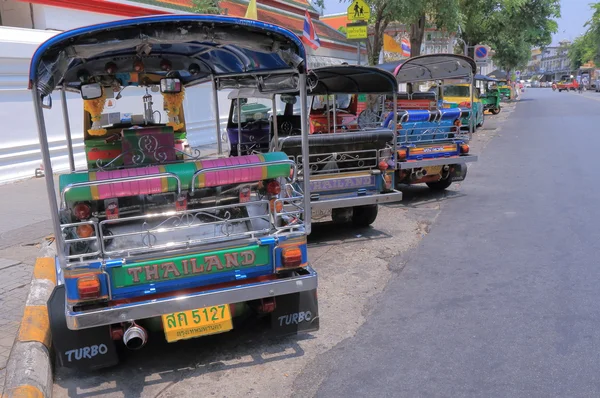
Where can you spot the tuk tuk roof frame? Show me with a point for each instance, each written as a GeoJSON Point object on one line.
{"type": "Point", "coordinates": [432, 67]}
{"type": "Point", "coordinates": [222, 46]}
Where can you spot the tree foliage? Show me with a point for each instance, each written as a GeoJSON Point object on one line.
{"type": "Point", "coordinates": [443, 14]}
{"type": "Point", "coordinates": [587, 46]}
{"type": "Point", "coordinates": [207, 7]}
{"type": "Point", "coordinates": [510, 27]}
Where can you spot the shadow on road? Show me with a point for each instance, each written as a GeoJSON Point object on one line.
{"type": "Point", "coordinates": [328, 233]}
{"type": "Point", "coordinates": [414, 196]}
{"type": "Point", "coordinates": [162, 363]}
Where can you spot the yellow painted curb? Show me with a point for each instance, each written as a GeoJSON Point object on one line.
{"type": "Point", "coordinates": [23, 392]}
{"type": "Point", "coordinates": [44, 269]}
{"type": "Point", "coordinates": [35, 325]}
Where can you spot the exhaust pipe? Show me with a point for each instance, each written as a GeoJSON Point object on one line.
{"type": "Point", "coordinates": [135, 337]}
{"type": "Point", "coordinates": [419, 174]}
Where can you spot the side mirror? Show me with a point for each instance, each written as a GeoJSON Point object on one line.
{"type": "Point", "coordinates": [91, 91]}
{"type": "Point", "coordinates": [47, 102]}
{"type": "Point", "coordinates": [170, 85]}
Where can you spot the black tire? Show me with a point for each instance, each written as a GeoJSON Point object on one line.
{"type": "Point", "coordinates": [482, 120]}
{"type": "Point", "coordinates": [364, 216]}
{"type": "Point", "coordinates": [495, 111]}
{"type": "Point", "coordinates": [559, 90]}
{"type": "Point", "coordinates": [440, 185]}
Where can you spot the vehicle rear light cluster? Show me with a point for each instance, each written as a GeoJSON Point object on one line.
{"type": "Point", "coordinates": [88, 287]}
{"type": "Point", "coordinates": [465, 104]}
{"type": "Point", "coordinates": [291, 257]}
{"type": "Point", "coordinates": [464, 148]}
{"type": "Point", "coordinates": [273, 188]}
{"type": "Point", "coordinates": [85, 231]}
{"type": "Point", "coordinates": [82, 211]}
{"type": "Point", "coordinates": [402, 154]}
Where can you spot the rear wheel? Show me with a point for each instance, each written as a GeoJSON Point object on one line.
{"type": "Point", "coordinates": [482, 120]}
{"type": "Point", "coordinates": [363, 216]}
{"type": "Point", "coordinates": [440, 185]}
{"type": "Point", "coordinates": [495, 111]}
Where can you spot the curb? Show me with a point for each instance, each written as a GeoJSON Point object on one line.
{"type": "Point", "coordinates": [29, 367]}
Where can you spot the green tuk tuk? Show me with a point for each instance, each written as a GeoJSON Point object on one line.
{"type": "Point", "coordinates": [488, 93]}
{"type": "Point", "coordinates": [504, 89]}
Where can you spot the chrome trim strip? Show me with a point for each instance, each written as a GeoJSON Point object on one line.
{"type": "Point", "coordinates": [436, 162]}
{"type": "Point", "coordinates": [157, 307]}
{"type": "Point", "coordinates": [338, 203]}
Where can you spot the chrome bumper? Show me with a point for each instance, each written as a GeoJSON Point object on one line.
{"type": "Point", "coordinates": [304, 280]}
{"type": "Point", "coordinates": [436, 162]}
{"type": "Point", "coordinates": [339, 203]}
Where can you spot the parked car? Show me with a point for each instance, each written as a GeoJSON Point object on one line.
{"type": "Point", "coordinates": [536, 84]}
{"type": "Point", "coordinates": [527, 84]}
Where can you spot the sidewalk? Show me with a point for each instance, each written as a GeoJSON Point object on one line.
{"type": "Point", "coordinates": [25, 222]}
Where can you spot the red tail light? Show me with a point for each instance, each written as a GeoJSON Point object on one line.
{"type": "Point", "coordinates": [401, 154]}
{"type": "Point", "coordinates": [82, 211]}
{"type": "Point", "coordinates": [291, 257]}
{"type": "Point", "coordinates": [273, 188]}
{"type": "Point", "coordinates": [464, 148]}
{"type": "Point", "coordinates": [88, 287]}
{"type": "Point", "coordinates": [465, 104]}
{"type": "Point", "coordinates": [85, 231]}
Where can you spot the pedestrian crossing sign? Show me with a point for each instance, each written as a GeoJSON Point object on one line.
{"type": "Point", "coordinates": [359, 11]}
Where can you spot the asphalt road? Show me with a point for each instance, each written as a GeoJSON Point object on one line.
{"type": "Point", "coordinates": [500, 299]}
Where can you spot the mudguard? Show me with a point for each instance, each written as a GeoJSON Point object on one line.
{"type": "Point", "coordinates": [85, 349]}
{"type": "Point", "coordinates": [295, 313]}
{"type": "Point", "coordinates": [459, 172]}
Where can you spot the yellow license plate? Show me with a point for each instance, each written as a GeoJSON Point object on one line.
{"type": "Point", "coordinates": [195, 323]}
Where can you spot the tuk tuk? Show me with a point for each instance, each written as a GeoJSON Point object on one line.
{"type": "Point", "coordinates": [465, 95]}
{"type": "Point", "coordinates": [488, 93]}
{"type": "Point", "coordinates": [349, 152]}
{"type": "Point", "coordinates": [432, 143]}
{"type": "Point", "coordinates": [504, 89]}
{"type": "Point", "coordinates": [153, 238]}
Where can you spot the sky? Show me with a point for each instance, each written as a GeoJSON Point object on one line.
{"type": "Point", "coordinates": [574, 14]}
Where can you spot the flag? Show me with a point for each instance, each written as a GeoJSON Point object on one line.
{"type": "Point", "coordinates": [251, 12]}
{"type": "Point", "coordinates": [309, 34]}
{"type": "Point", "coordinates": [405, 48]}
{"type": "Point", "coordinates": [390, 45]}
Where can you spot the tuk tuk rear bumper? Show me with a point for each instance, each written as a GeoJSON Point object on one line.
{"type": "Point", "coordinates": [346, 202]}
{"type": "Point", "coordinates": [303, 280]}
{"type": "Point", "coordinates": [435, 162]}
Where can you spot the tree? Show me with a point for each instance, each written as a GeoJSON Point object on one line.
{"type": "Point", "coordinates": [207, 7]}
{"type": "Point", "coordinates": [587, 46]}
{"type": "Point", "coordinates": [443, 14]}
{"type": "Point", "coordinates": [510, 27]}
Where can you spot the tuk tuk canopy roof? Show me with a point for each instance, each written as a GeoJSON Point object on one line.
{"type": "Point", "coordinates": [338, 79]}
{"type": "Point", "coordinates": [198, 47]}
{"type": "Point", "coordinates": [432, 67]}
{"type": "Point", "coordinates": [350, 79]}
{"type": "Point", "coordinates": [485, 78]}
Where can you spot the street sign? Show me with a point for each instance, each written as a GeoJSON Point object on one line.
{"type": "Point", "coordinates": [359, 11]}
{"type": "Point", "coordinates": [481, 54]}
{"type": "Point", "coordinates": [356, 31]}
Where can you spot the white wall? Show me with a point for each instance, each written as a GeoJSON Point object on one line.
{"type": "Point", "coordinates": [19, 146]}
